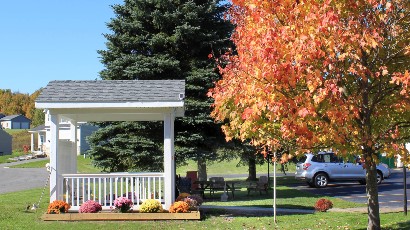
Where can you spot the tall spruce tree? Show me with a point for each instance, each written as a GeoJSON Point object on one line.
{"type": "Point", "coordinates": [157, 39]}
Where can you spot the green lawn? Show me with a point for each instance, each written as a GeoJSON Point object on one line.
{"type": "Point", "coordinates": [15, 216]}
{"type": "Point", "coordinates": [224, 167]}
{"type": "Point", "coordinates": [5, 158]}
{"type": "Point", "coordinates": [83, 165]}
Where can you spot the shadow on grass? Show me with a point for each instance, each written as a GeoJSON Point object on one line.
{"type": "Point", "coordinates": [286, 199]}
{"type": "Point", "coordinates": [246, 212]}
{"type": "Point", "coordinates": [402, 225]}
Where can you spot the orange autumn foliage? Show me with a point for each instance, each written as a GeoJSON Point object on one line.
{"type": "Point", "coordinates": [319, 74]}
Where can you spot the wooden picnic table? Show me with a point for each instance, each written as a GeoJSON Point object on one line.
{"type": "Point", "coordinates": [213, 186]}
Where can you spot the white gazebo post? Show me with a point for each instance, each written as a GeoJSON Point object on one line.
{"type": "Point", "coordinates": [169, 159]}
{"type": "Point", "coordinates": [73, 155]}
{"type": "Point", "coordinates": [32, 142]}
{"type": "Point", "coordinates": [55, 175]}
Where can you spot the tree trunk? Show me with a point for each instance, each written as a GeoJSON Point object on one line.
{"type": "Point", "coordinates": [201, 164]}
{"type": "Point", "coordinates": [252, 167]}
{"type": "Point", "coordinates": [372, 196]}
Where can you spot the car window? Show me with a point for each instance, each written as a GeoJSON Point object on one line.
{"type": "Point", "coordinates": [326, 158]}
{"type": "Point", "coordinates": [302, 159]}
{"type": "Point", "coordinates": [335, 159]}
{"type": "Point", "coordinates": [317, 158]}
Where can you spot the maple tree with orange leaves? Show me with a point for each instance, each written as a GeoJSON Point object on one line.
{"type": "Point", "coordinates": [319, 74]}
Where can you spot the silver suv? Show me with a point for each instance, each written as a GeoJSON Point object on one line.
{"type": "Point", "coordinates": [318, 169]}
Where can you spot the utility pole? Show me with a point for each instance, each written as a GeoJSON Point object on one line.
{"type": "Point", "coordinates": [404, 185]}
{"type": "Point", "coordinates": [405, 190]}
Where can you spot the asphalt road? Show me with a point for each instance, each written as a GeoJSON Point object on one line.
{"type": "Point", "coordinates": [391, 192]}
{"type": "Point", "coordinates": [17, 179]}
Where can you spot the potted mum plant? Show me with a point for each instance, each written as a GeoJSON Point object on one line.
{"type": "Point", "coordinates": [123, 204]}
{"type": "Point", "coordinates": [90, 206]}
{"type": "Point", "coordinates": [58, 207]}
{"type": "Point", "coordinates": [151, 206]}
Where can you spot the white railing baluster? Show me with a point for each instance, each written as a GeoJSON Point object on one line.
{"type": "Point", "coordinates": [99, 189]}
{"type": "Point", "coordinates": [138, 190]}
{"type": "Point", "coordinates": [105, 191]}
{"type": "Point", "coordinates": [126, 188]}
{"type": "Point", "coordinates": [110, 192]}
{"type": "Point", "coordinates": [72, 190]}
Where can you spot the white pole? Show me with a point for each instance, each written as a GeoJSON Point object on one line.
{"type": "Point", "coordinates": [274, 187]}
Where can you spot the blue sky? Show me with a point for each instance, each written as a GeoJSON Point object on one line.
{"type": "Point", "coordinates": [46, 40]}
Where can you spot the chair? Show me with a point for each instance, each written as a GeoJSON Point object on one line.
{"type": "Point", "coordinates": [260, 185]}
{"type": "Point", "coordinates": [218, 184]}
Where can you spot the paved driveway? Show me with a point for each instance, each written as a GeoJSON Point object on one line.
{"type": "Point", "coordinates": [390, 191]}
{"type": "Point", "coordinates": [17, 179]}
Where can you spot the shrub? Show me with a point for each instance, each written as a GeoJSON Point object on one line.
{"type": "Point", "coordinates": [90, 206]}
{"type": "Point", "coordinates": [123, 204]}
{"type": "Point", "coordinates": [151, 205]}
{"type": "Point", "coordinates": [57, 207]}
{"type": "Point", "coordinates": [322, 205]}
{"type": "Point", "coordinates": [179, 207]}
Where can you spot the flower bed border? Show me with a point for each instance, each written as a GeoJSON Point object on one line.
{"type": "Point", "coordinates": [109, 216]}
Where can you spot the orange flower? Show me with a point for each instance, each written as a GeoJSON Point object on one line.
{"type": "Point", "coordinates": [57, 207]}
{"type": "Point", "coordinates": [179, 206]}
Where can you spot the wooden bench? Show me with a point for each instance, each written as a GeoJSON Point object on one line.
{"type": "Point", "coordinates": [260, 185]}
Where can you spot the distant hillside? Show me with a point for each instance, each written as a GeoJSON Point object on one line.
{"type": "Point", "coordinates": [20, 138]}
{"type": "Point", "coordinates": [19, 103]}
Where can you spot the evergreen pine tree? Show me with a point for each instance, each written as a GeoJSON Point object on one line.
{"type": "Point", "coordinates": [157, 39]}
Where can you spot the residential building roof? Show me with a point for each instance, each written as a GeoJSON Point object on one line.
{"type": "Point", "coordinates": [38, 128]}
{"type": "Point", "coordinates": [113, 91]}
{"type": "Point", "coordinates": [11, 117]}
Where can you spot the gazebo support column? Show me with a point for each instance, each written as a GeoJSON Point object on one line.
{"type": "Point", "coordinates": [169, 159]}
{"type": "Point", "coordinates": [73, 155]}
{"type": "Point", "coordinates": [55, 176]}
{"type": "Point", "coordinates": [32, 142]}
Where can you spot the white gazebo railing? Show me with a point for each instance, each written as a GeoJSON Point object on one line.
{"type": "Point", "coordinates": [105, 188]}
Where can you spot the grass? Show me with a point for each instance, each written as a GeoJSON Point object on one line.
{"type": "Point", "coordinates": [5, 158]}
{"type": "Point", "coordinates": [230, 167]}
{"type": "Point", "coordinates": [15, 216]}
{"type": "Point", "coordinates": [83, 165]}
{"type": "Point", "coordinates": [287, 197]}
{"type": "Point", "coordinates": [225, 167]}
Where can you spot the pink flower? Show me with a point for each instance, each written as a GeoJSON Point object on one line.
{"type": "Point", "coordinates": [123, 204]}
{"type": "Point", "coordinates": [90, 206]}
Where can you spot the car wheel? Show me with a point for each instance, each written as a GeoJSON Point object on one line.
{"type": "Point", "coordinates": [321, 180]}
{"type": "Point", "coordinates": [379, 177]}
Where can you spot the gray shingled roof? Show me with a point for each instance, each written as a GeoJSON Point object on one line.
{"type": "Point", "coordinates": [39, 128]}
{"type": "Point", "coordinates": [10, 117]}
{"type": "Point", "coordinates": [113, 91]}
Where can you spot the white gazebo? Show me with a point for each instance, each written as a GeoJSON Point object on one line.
{"type": "Point", "coordinates": [103, 100]}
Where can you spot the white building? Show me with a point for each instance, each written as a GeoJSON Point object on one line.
{"type": "Point", "coordinates": [44, 136]}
